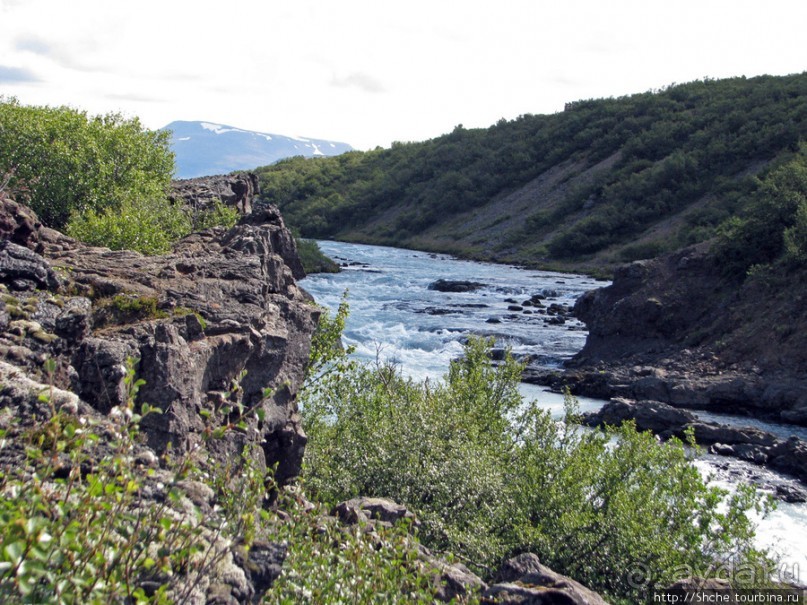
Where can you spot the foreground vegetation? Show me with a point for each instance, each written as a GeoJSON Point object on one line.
{"type": "Point", "coordinates": [84, 519]}
{"type": "Point", "coordinates": [490, 476]}
{"type": "Point", "coordinates": [633, 176]}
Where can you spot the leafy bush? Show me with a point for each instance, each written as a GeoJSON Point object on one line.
{"type": "Point", "coordinates": [76, 525]}
{"type": "Point", "coordinates": [331, 563]}
{"type": "Point", "coordinates": [60, 161]}
{"type": "Point", "coordinates": [82, 522]}
{"type": "Point", "coordinates": [219, 215]}
{"type": "Point", "coordinates": [641, 251]}
{"type": "Point", "coordinates": [490, 475]}
{"type": "Point", "coordinates": [772, 226]}
{"type": "Point", "coordinates": [314, 261]}
{"type": "Point", "coordinates": [795, 236]}
{"type": "Point", "coordinates": [148, 225]}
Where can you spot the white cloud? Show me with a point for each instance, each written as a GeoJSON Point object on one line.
{"type": "Point", "coordinates": [364, 82]}
{"type": "Point", "coordinates": [369, 72]}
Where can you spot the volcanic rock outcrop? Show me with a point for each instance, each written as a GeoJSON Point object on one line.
{"type": "Point", "coordinates": [217, 331]}
{"type": "Point", "coordinates": [218, 321]}
{"type": "Point", "coordinates": [677, 329]}
{"type": "Point", "coordinates": [237, 190]}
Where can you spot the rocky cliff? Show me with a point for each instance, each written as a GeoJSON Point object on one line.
{"type": "Point", "coordinates": [675, 329]}
{"type": "Point", "coordinates": [223, 308]}
{"type": "Point", "coordinates": [217, 326]}
{"type": "Point", "coordinates": [237, 190]}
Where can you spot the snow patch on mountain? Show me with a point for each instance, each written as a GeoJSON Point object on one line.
{"type": "Point", "coordinates": [206, 148]}
{"type": "Point", "coordinates": [218, 128]}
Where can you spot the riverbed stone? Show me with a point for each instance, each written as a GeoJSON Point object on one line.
{"type": "Point", "coordinates": [453, 285]}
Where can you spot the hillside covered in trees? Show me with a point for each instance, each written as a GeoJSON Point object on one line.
{"type": "Point", "coordinates": [603, 182]}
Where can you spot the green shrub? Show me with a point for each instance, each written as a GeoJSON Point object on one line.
{"type": "Point", "coordinates": [330, 563]}
{"type": "Point", "coordinates": [219, 215]}
{"type": "Point", "coordinates": [490, 475]}
{"type": "Point", "coordinates": [314, 261]}
{"type": "Point", "coordinates": [60, 161]}
{"type": "Point", "coordinates": [148, 226]}
{"type": "Point", "coordinates": [772, 226]}
{"type": "Point", "coordinates": [76, 527]}
{"type": "Point", "coordinates": [641, 251]}
{"type": "Point", "coordinates": [796, 237]}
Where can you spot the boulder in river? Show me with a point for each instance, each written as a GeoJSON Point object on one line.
{"type": "Point", "coordinates": [749, 444]}
{"type": "Point", "coordinates": [450, 285]}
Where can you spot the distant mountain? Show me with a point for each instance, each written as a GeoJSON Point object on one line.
{"type": "Point", "coordinates": [206, 148]}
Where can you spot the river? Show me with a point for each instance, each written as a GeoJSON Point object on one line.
{"type": "Point", "coordinates": [394, 316]}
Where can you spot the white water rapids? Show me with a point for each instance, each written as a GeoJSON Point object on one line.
{"type": "Point", "coordinates": [394, 316]}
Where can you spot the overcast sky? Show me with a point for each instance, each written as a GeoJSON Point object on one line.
{"type": "Point", "coordinates": [370, 72]}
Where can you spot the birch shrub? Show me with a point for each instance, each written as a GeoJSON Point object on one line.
{"type": "Point", "coordinates": [490, 475]}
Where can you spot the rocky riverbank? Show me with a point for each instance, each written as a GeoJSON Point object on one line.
{"type": "Point", "coordinates": [676, 330]}
{"type": "Point", "coordinates": [758, 447]}
{"type": "Point", "coordinates": [221, 304]}
{"type": "Point", "coordinates": [218, 324]}
{"type": "Point", "coordinates": [238, 190]}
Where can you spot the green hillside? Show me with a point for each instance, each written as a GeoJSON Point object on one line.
{"type": "Point", "coordinates": [604, 181]}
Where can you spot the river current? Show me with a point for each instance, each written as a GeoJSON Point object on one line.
{"type": "Point", "coordinates": [394, 316]}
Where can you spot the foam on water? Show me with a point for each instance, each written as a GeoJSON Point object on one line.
{"type": "Point", "coordinates": [391, 303]}
{"type": "Point", "coordinates": [783, 530]}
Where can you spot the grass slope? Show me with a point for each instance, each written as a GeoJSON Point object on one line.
{"type": "Point", "coordinates": [603, 182]}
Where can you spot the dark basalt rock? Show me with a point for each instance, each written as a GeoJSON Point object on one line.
{"type": "Point", "coordinates": [365, 509]}
{"type": "Point", "coordinates": [447, 285]}
{"type": "Point", "coordinates": [437, 311]}
{"type": "Point", "coordinates": [218, 322]}
{"type": "Point", "coordinates": [790, 493]}
{"type": "Point", "coordinates": [221, 311]}
{"type": "Point", "coordinates": [238, 190]}
{"type": "Point", "coordinates": [709, 340]}
{"type": "Point", "coordinates": [262, 564]}
{"type": "Point", "coordinates": [19, 224]}
{"type": "Point", "coordinates": [22, 269]}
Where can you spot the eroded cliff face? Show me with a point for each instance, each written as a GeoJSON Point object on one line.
{"type": "Point", "coordinates": [216, 327]}
{"type": "Point", "coordinates": [219, 321]}
{"type": "Point", "coordinates": [238, 190]}
{"type": "Point", "coordinates": [675, 329]}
